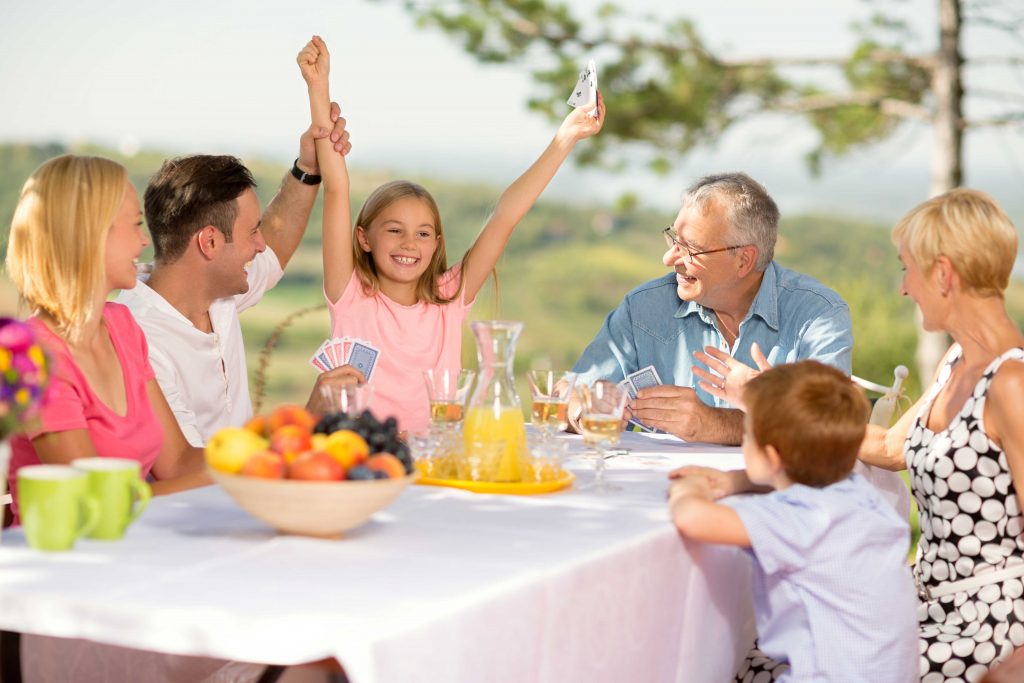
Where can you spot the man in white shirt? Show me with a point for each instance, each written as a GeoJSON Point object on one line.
{"type": "Point", "coordinates": [215, 257]}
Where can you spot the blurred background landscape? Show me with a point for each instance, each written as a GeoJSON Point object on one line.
{"type": "Point", "coordinates": [461, 96]}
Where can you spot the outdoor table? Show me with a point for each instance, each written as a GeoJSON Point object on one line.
{"type": "Point", "coordinates": [443, 585]}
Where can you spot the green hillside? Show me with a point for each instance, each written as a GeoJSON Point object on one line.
{"type": "Point", "coordinates": [566, 267]}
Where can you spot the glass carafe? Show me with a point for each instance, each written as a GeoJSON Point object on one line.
{"type": "Point", "coordinates": [495, 414]}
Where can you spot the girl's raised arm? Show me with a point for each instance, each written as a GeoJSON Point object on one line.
{"type": "Point", "coordinates": [315, 64]}
{"type": "Point", "coordinates": [521, 195]}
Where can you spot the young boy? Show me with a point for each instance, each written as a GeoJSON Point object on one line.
{"type": "Point", "coordinates": [833, 595]}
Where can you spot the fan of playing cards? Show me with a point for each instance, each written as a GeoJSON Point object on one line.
{"type": "Point", "coordinates": [641, 379]}
{"type": "Point", "coordinates": [359, 353]}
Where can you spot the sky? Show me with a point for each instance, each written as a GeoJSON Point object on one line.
{"type": "Point", "coordinates": [220, 77]}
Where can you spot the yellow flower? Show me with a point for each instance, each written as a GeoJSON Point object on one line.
{"type": "Point", "coordinates": [5, 360]}
{"type": "Point", "coordinates": [35, 354]}
{"type": "Point", "coordinates": [21, 397]}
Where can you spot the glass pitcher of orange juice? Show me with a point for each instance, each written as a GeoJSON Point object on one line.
{"type": "Point", "coordinates": [495, 414]}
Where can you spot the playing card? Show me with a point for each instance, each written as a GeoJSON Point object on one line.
{"type": "Point", "coordinates": [315, 362]}
{"type": "Point", "coordinates": [363, 358]}
{"type": "Point", "coordinates": [337, 347]}
{"type": "Point", "coordinates": [585, 92]}
{"type": "Point", "coordinates": [644, 378]}
{"type": "Point", "coordinates": [631, 390]}
{"type": "Point", "coordinates": [327, 348]}
{"type": "Point", "coordinates": [321, 356]}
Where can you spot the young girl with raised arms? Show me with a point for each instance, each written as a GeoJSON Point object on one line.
{"type": "Point", "coordinates": [833, 596]}
{"type": "Point", "coordinates": [388, 281]}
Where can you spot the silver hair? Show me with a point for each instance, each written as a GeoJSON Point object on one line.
{"type": "Point", "coordinates": [752, 214]}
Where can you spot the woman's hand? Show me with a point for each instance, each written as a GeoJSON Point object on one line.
{"type": "Point", "coordinates": [314, 62]}
{"type": "Point", "coordinates": [726, 377]}
{"type": "Point", "coordinates": [581, 123]}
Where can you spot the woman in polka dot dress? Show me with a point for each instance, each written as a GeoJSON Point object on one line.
{"type": "Point", "coordinates": [963, 442]}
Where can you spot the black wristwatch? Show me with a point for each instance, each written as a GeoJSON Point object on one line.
{"type": "Point", "coordinates": [303, 177]}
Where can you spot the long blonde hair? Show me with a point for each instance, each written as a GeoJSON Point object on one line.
{"type": "Point", "coordinates": [380, 199]}
{"type": "Point", "coordinates": [56, 253]}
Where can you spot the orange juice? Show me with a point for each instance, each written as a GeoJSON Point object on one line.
{"type": "Point", "coordinates": [487, 425]}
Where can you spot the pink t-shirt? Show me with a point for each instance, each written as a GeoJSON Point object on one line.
{"type": "Point", "coordinates": [411, 339]}
{"type": "Point", "coordinates": [69, 402]}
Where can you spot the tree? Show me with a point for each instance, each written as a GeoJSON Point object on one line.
{"type": "Point", "coordinates": [672, 93]}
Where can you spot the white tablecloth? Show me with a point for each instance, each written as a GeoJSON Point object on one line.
{"type": "Point", "coordinates": [443, 585]}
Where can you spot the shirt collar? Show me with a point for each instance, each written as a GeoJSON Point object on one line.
{"type": "Point", "coordinates": [765, 306]}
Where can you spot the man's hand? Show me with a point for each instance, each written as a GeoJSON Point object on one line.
{"type": "Point", "coordinates": [728, 376]}
{"type": "Point", "coordinates": [678, 411]}
{"type": "Point", "coordinates": [307, 142]}
{"type": "Point", "coordinates": [318, 403]}
{"type": "Point", "coordinates": [719, 484]}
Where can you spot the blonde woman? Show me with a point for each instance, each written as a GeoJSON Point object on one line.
{"type": "Point", "coordinates": [75, 237]}
{"type": "Point", "coordinates": [963, 442]}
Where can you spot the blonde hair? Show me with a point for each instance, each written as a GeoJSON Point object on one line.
{"type": "Point", "coordinates": [380, 199]}
{"type": "Point", "coordinates": [57, 247]}
{"type": "Point", "coordinates": [970, 229]}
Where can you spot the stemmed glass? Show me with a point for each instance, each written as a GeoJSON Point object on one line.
{"type": "Point", "coordinates": [447, 391]}
{"type": "Point", "coordinates": [550, 391]}
{"type": "Point", "coordinates": [603, 404]}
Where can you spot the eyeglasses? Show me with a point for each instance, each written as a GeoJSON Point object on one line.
{"type": "Point", "coordinates": [672, 243]}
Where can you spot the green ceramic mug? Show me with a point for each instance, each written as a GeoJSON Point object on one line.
{"type": "Point", "coordinates": [55, 506]}
{"type": "Point", "coordinates": [118, 487]}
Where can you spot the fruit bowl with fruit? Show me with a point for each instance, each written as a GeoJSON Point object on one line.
{"type": "Point", "coordinates": [311, 478]}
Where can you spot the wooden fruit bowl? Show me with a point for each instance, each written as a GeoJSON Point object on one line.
{"type": "Point", "coordinates": [324, 509]}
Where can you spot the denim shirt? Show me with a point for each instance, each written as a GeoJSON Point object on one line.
{"type": "Point", "coordinates": [793, 317]}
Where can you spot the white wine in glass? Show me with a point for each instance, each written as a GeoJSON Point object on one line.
{"type": "Point", "coordinates": [446, 411]}
{"type": "Point", "coordinates": [551, 413]}
{"type": "Point", "coordinates": [601, 429]}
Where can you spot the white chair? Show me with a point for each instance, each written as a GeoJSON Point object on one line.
{"type": "Point", "coordinates": [889, 483]}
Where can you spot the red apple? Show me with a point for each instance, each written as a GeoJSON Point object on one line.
{"type": "Point", "coordinates": [265, 464]}
{"type": "Point", "coordinates": [315, 466]}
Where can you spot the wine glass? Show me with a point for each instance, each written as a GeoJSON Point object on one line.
{"type": "Point", "coordinates": [550, 391]}
{"type": "Point", "coordinates": [601, 422]}
{"type": "Point", "coordinates": [447, 391]}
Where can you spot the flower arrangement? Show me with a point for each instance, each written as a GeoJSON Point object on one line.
{"type": "Point", "coordinates": [23, 374]}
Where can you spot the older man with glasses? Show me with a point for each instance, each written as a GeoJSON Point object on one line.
{"type": "Point", "coordinates": [728, 303]}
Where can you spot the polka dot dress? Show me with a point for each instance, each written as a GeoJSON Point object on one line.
{"type": "Point", "coordinates": [970, 521]}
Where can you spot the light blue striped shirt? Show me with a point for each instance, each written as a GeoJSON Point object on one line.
{"type": "Point", "coordinates": [833, 594]}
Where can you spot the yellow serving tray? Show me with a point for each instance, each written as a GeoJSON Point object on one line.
{"type": "Point", "coordinates": [517, 489]}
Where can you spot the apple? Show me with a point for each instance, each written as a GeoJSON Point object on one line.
{"type": "Point", "coordinates": [387, 463]}
{"type": "Point", "coordinates": [265, 464]}
{"type": "Point", "coordinates": [290, 415]}
{"type": "Point", "coordinates": [290, 440]}
{"type": "Point", "coordinates": [315, 466]}
{"type": "Point", "coordinates": [347, 447]}
{"type": "Point", "coordinates": [230, 447]}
